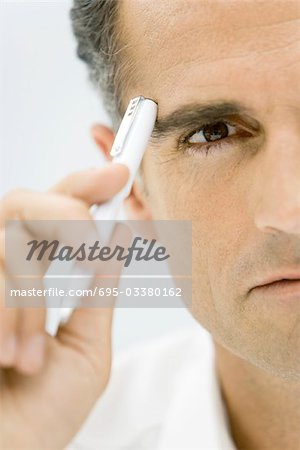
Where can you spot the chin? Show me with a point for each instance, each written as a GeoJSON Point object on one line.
{"type": "Point", "coordinates": [271, 356]}
{"type": "Point", "coordinates": [268, 343]}
{"type": "Point", "coordinates": [282, 360]}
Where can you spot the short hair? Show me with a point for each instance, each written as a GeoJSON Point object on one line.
{"type": "Point", "coordinates": [96, 27]}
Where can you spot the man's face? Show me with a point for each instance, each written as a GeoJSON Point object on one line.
{"type": "Point", "coordinates": [231, 162]}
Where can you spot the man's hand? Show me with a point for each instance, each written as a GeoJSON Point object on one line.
{"type": "Point", "coordinates": [48, 385]}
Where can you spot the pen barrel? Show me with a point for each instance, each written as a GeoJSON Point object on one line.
{"type": "Point", "coordinates": [135, 141]}
{"type": "Point", "coordinates": [129, 147]}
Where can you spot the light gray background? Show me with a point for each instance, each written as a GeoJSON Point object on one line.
{"type": "Point", "coordinates": [46, 109]}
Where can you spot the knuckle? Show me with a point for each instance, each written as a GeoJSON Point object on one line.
{"type": "Point", "coordinates": [32, 322]}
{"type": "Point", "coordinates": [67, 208]}
{"type": "Point", "coordinates": [13, 195]}
{"type": "Point", "coordinates": [11, 198]}
{"type": "Point", "coordinates": [77, 208]}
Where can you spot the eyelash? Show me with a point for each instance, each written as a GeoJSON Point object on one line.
{"type": "Point", "coordinates": [209, 147]}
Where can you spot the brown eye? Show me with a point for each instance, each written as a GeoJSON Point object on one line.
{"type": "Point", "coordinates": [212, 132]}
{"type": "Point", "coordinates": [216, 131]}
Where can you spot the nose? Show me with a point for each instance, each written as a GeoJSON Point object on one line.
{"type": "Point", "coordinates": [278, 194]}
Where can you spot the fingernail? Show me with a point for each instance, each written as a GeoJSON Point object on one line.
{"type": "Point", "coordinates": [8, 350]}
{"type": "Point", "coordinates": [32, 353]}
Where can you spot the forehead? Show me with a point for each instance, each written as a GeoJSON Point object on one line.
{"type": "Point", "coordinates": [214, 49]}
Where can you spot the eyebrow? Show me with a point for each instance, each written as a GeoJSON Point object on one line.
{"type": "Point", "coordinates": [193, 115]}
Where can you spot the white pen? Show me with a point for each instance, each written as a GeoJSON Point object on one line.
{"type": "Point", "coordinates": [128, 148]}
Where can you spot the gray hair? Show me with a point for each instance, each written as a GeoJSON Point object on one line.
{"type": "Point", "coordinates": [96, 26]}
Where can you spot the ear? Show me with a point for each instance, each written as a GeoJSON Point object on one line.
{"type": "Point", "coordinates": [136, 205]}
{"type": "Point", "coordinates": [103, 137]}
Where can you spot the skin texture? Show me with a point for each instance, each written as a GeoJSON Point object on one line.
{"type": "Point", "coordinates": [72, 368]}
{"type": "Point", "coordinates": [243, 198]}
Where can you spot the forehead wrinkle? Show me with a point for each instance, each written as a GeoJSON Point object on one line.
{"type": "Point", "coordinates": [159, 72]}
{"type": "Point", "coordinates": [147, 13]}
{"type": "Point", "coordinates": [162, 22]}
{"type": "Point", "coordinates": [241, 56]}
{"type": "Point", "coordinates": [238, 45]}
{"type": "Point", "coordinates": [161, 64]}
{"type": "Point", "coordinates": [199, 80]}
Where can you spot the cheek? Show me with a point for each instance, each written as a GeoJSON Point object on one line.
{"type": "Point", "coordinates": [213, 197]}
{"type": "Point", "coordinates": [216, 245]}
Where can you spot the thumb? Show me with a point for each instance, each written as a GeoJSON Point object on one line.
{"type": "Point", "coordinates": [90, 325]}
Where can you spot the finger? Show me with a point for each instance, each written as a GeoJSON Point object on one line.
{"type": "Point", "coordinates": [8, 333]}
{"type": "Point", "coordinates": [21, 330]}
{"type": "Point", "coordinates": [31, 340]}
{"type": "Point", "coordinates": [90, 327]}
{"type": "Point", "coordinates": [43, 226]}
{"type": "Point", "coordinates": [8, 317]}
{"type": "Point", "coordinates": [16, 266]}
{"type": "Point", "coordinates": [94, 185]}
{"type": "Point", "coordinates": [8, 336]}
{"type": "Point", "coordinates": [18, 329]}
{"type": "Point", "coordinates": [23, 204]}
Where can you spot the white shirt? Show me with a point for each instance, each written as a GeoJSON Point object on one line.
{"type": "Point", "coordinates": [163, 395]}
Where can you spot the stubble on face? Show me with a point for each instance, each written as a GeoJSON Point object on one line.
{"type": "Point", "coordinates": [188, 52]}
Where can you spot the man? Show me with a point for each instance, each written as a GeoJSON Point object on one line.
{"type": "Point", "coordinates": [224, 154]}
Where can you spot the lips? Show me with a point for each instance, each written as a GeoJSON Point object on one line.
{"type": "Point", "coordinates": [284, 284]}
{"type": "Point", "coordinates": [281, 277]}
